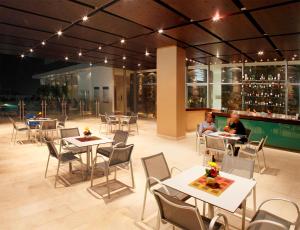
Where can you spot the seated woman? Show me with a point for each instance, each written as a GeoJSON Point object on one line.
{"type": "Point", "coordinates": [207, 126]}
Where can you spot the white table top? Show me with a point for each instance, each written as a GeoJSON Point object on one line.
{"type": "Point", "coordinates": [229, 200]}
{"type": "Point", "coordinates": [231, 137]}
{"type": "Point", "coordinates": [74, 141]}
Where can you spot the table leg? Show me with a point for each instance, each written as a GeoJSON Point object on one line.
{"type": "Point", "coordinates": [244, 214]}
{"type": "Point", "coordinates": [88, 159]}
{"type": "Point", "coordinates": [210, 211]}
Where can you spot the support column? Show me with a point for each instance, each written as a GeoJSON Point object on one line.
{"type": "Point", "coordinates": [171, 92]}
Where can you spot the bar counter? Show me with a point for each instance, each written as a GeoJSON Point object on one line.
{"type": "Point", "coordinates": [282, 132]}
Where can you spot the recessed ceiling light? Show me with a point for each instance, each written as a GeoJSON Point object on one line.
{"type": "Point", "coordinates": [186, 59]}
{"type": "Point", "coordinates": [122, 40]}
{"type": "Point", "coordinates": [216, 17]}
{"type": "Point", "coordinates": [243, 8]}
{"type": "Point", "coordinates": [246, 60]}
{"type": "Point", "coordinates": [79, 54]}
{"type": "Point", "coordinates": [240, 61]}
{"type": "Point", "coordinates": [260, 52]}
{"type": "Point", "coordinates": [160, 31]}
{"type": "Point", "coordinates": [268, 59]}
{"type": "Point", "coordinates": [261, 59]}
{"type": "Point", "coordinates": [217, 55]}
{"type": "Point", "coordinates": [91, 64]}
{"type": "Point", "coordinates": [139, 65]}
{"type": "Point", "coordinates": [43, 43]}
{"type": "Point", "coordinates": [59, 33]}
{"type": "Point", "coordinates": [31, 50]}
{"type": "Point", "coordinates": [293, 58]}
{"type": "Point", "coordinates": [147, 53]}
{"type": "Point", "coordinates": [295, 55]}
{"type": "Point", "coordinates": [123, 66]}
{"type": "Point", "coordinates": [105, 60]}
{"type": "Point", "coordinates": [124, 57]}
{"type": "Point", "coordinates": [99, 48]}
{"type": "Point", "coordinates": [66, 58]}
{"type": "Point", "coordinates": [265, 34]}
{"type": "Point", "coordinates": [22, 55]}
{"type": "Point", "coordinates": [275, 59]}
{"type": "Point", "coordinates": [84, 18]}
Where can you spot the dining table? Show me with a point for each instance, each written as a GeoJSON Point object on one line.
{"type": "Point", "coordinates": [232, 198]}
{"type": "Point", "coordinates": [89, 142]}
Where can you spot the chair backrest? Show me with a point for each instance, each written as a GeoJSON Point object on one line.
{"type": "Point", "coordinates": [215, 143]}
{"type": "Point", "coordinates": [62, 119]}
{"type": "Point", "coordinates": [69, 132]}
{"type": "Point", "coordinates": [238, 166]}
{"type": "Point", "coordinates": [197, 130]}
{"type": "Point", "coordinates": [120, 137]}
{"type": "Point", "coordinates": [178, 213]}
{"type": "Point", "coordinates": [247, 133]}
{"type": "Point", "coordinates": [133, 119]}
{"type": "Point", "coordinates": [103, 118]}
{"type": "Point", "coordinates": [120, 155]}
{"type": "Point", "coordinates": [51, 147]}
{"type": "Point", "coordinates": [156, 166]}
{"type": "Point", "coordinates": [47, 125]}
{"type": "Point", "coordinates": [262, 143]}
{"type": "Point", "coordinates": [13, 122]}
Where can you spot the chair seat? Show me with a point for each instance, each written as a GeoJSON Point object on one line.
{"type": "Point", "coordinates": [248, 150]}
{"type": "Point", "coordinates": [264, 215]}
{"type": "Point", "coordinates": [105, 151]}
{"type": "Point", "coordinates": [68, 156]}
{"type": "Point", "coordinates": [22, 128]}
{"type": "Point", "coordinates": [174, 193]}
{"type": "Point", "coordinates": [76, 150]}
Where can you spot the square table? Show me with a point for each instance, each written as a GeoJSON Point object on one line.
{"type": "Point", "coordinates": [233, 137]}
{"type": "Point", "coordinates": [89, 144]}
{"type": "Point", "coordinates": [230, 200]}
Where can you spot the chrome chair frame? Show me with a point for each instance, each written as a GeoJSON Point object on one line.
{"type": "Point", "coordinates": [17, 129]}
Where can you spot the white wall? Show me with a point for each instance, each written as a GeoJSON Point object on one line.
{"type": "Point", "coordinates": [97, 76]}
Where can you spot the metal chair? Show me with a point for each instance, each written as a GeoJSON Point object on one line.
{"type": "Point", "coordinates": [265, 220]}
{"type": "Point", "coordinates": [120, 139]}
{"type": "Point", "coordinates": [48, 126]}
{"type": "Point", "coordinates": [133, 120]}
{"type": "Point", "coordinates": [240, 167]}
{"type": "Point", "coordinates": [62, 158]}
{"type": "Point", "coordinates": [157, 170]}
{"type": "Point", "coordinates": [252, 149]}
{"type": "Point", "coordinates": [62, 121]}
{"type": "Point", "coordinates": [120, 156]}
{"type": "Point", "coordinates": [183, 215]}
{"type": "Point", "coordinates": [199, 138]}
{"type": "Point", "coordinates": [217, 145]}
{"type": "Point", "coordinates": [104, 122]}
{"type": "Point", "coordinates": [112, 121]}
{"type": "Point", "coordinates": [18, 128]}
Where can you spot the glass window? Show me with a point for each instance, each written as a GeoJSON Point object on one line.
{"type": "Point", "coordinates": [231, 97]}
{"type": "Point", "coordinates": [294, 99]}
{"type": "Point", "coordinates": [196, 96]}
{"type": "Point", "coordinates": [231, 75]}
{"type": "Point", "coordinates": [196, 76]}
{"type": "Point", "coordinates": [294, 74]}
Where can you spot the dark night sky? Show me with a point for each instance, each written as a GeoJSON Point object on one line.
{"type": "Point", "coordinates": [16, 73]}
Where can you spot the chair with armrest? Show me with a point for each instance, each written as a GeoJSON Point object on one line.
{"type": "Point", "coordinates": [183, 215]}
{"type": "Point", "coordinates": [157, 170]}
{"type": "Point", "coordinates": [252, 149]}
{"type": "Point", "coordinates": [265, 220]}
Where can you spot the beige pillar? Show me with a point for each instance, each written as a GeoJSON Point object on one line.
{"type": "Point", "coordinates": [171, 92]}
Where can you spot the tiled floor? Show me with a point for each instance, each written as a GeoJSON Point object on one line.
{"type": "Point", "coordinates": [29, 201]}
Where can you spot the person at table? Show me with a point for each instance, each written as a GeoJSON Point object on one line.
{"type": "Point", "coordinates": [207, 126]}
{"type": "Point", "coordinates": [234, 125]}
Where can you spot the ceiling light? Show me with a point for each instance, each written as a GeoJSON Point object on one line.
{"type": "Point", "coordinates": [275, 59]}
{"type": "Point", "coordinates": [160, 31]}
{"type": "Point", "coordinates": [217, 55]}
{"type": "Point", "coordinates": [122, 40]}
{"type": "Point", "coordinates": [124, 57]}
{"type": "Point", "coordinates": [186, 59]}
{"type": "Point", "coordinates": [22, 55]}
{"type": "Point", "coordinates": [260, 52]}
{"type": "Point", "coordinates": [147, 53]}
{"type": "Point", "coordinates": [268, 59]}
{"type": "Point", "coordinates": [79, 54]}
{"type": "Point", "coordinates": [216, 17]}
{"type": "Point", "coordinates": [84, 18]}
{"type": "Point", "coordinates": [105, 60]}
{"type": "Point", "coordinates": [295, 55]}
{"type": "Point", "coordinates": [31, 50]}
{"type": "Point", "coordinates": [293, 58]}
{"type": "Point", "coordinates": [99, 48]}
{"type": "Point", "coordinates": [261, 59]}
{"type": "Point", "coordinates": [43, 43]}
{"type": "Point", "coordinates": [246, 60]}
{"type": "Point", "coordinates": [66, 58]}
{"type": "Point", "coordinates": [59, 33]}
{"type": "Point", "coordinates": [139, 65]}
{"type": "Point", "coordinates": [243, 8]}
{"type": "Point", "coordinates": [123, 66]}
{"type": "Point", "coordinates": [91, 64]}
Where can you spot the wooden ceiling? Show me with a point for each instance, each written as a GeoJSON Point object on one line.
{"type": "Point", "coordinates": [244, 28]}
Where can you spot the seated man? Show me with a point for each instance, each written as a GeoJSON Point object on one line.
{"type": "Point", "coordinates": [207, 126]}
{"type": "Point", "coordinates": [235, 126]}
